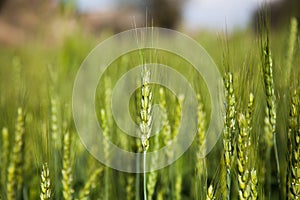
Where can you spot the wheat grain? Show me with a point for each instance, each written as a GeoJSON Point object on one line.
{"type": "Point", "coordinates": [210, 193]}
{"type": "Point", "coordinates": [293, 176]}
{"type": "Point", "coordinates": [254, 184]}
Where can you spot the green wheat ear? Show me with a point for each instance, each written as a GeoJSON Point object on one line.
{"type": "Point", "coordinates": [293, 158]}
{"type": "Point", "coordinates": [15, 168]}
{"type": "Point", "coordinates": [243, 145]}
{"type": "Point", "coordinates": [104, 126]}
{"type": "Point", "coordinates": [201, 170]}
{"type": "Point", "coordinates": [229, 129]}
{"type": "Point", "coordinates": [67, 176]}
{"type": "Point", "coordinates": [254, 184]}
{"type": "Point", "coordinates": [146, 108]}
{"type": "Point", "coordinates": [210, 193]}
{"type": "Point", "coordinates": [45, 183]}
{"type": "Point", "coordinates": [4, 155]}
{"type": "Point", "coordinates": [291, 47]}
{"type": "Point", "coordinates": [270, 120]}
{"type": "Point", "coordinates": [90, 184]}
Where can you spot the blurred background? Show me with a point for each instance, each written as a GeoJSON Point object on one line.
{"type": "Point", "coordinates": [21, 20]}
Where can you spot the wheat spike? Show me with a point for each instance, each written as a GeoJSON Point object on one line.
{"type": "Point", "coordinates": [90, 184]}
{"type": "Point", "coordinates": [105, 129]}
{"type": "Point", "coordinates": [229, 129]}
{"type": "Point", "coordinates": [293, 176]}
{"type": "Point", "coordinates": [146, 109]}
{"type": "Point", "coordinates": [67, 177]}
{"type": "Point", "coordinates": [201, 171]}
{"type": "Point", "coordinates": [210, 193]}
{"type": "Point", "coordinates": [243, 145]}
{"type": "Point", "coordinates": [254, 184]}
{"type": "Point", "coordinates": [45, 183]}
{"type": "Point", "coordinates": [14, 177]}
{"type": "Point", "coordinates": [4, 155]}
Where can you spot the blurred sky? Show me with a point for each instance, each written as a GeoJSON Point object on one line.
{"type": "Point", "coordinates": [208, 14]}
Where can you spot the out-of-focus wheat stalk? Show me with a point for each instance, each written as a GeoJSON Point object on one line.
{"type": "Point", "coordinates": [4, 155]}
{"type": "Point", "coordinates": [15, 168]}
{"type": "Point", "coordinates": [84, 194]}
{"type": "Point", "coordinates": [267, 68]}
{"type": "Point", "coordinates": [67, 176]}
{"type": "Point", "coordinates": [201, 171]}
{"type": "Point", "coordinates": [105, 129]}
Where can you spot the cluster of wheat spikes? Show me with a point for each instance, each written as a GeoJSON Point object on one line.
{"type": "Point", "coordinates": [257, 156]}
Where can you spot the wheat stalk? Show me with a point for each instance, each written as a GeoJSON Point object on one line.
{"type": "Point", "coordinates": [291, 47]}
{"type": "Point", "coordinates": [267, 67]}
{"type": "Point", "coordinates": [4, 155]}
{"type": "Point", "coordinates": [229, 129]}
{"type": "Point", "coordinates": [253, 184]}
{"type": "Point", "coordinates": [130, 188]}
{"type": "Point", "coordinates": [54, 123]}
{"type": "Point", "coordinates": [166, 128]}
{"type": "Point", "coordinates": [67, 177]}
{"type": "Point", "coordinates": [201, 171]}
{"type": "Point", "coordinates": [14, 177]}
{"type": "Point", "coordinates": [90, 184]}
{"type": "Point", "coordinates": [146, 109]}
{"type": "Point", "coordinates": [293, 176]}
{"type": "Point", "coordinates": [146, 118]}
{"type": "Point", "coordinates": [105, 129]}
{"type": "Point", "coordinates": [243, 145]}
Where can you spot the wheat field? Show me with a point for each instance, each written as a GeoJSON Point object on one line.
{"type": "Point", "coordinates": [256, 157]}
